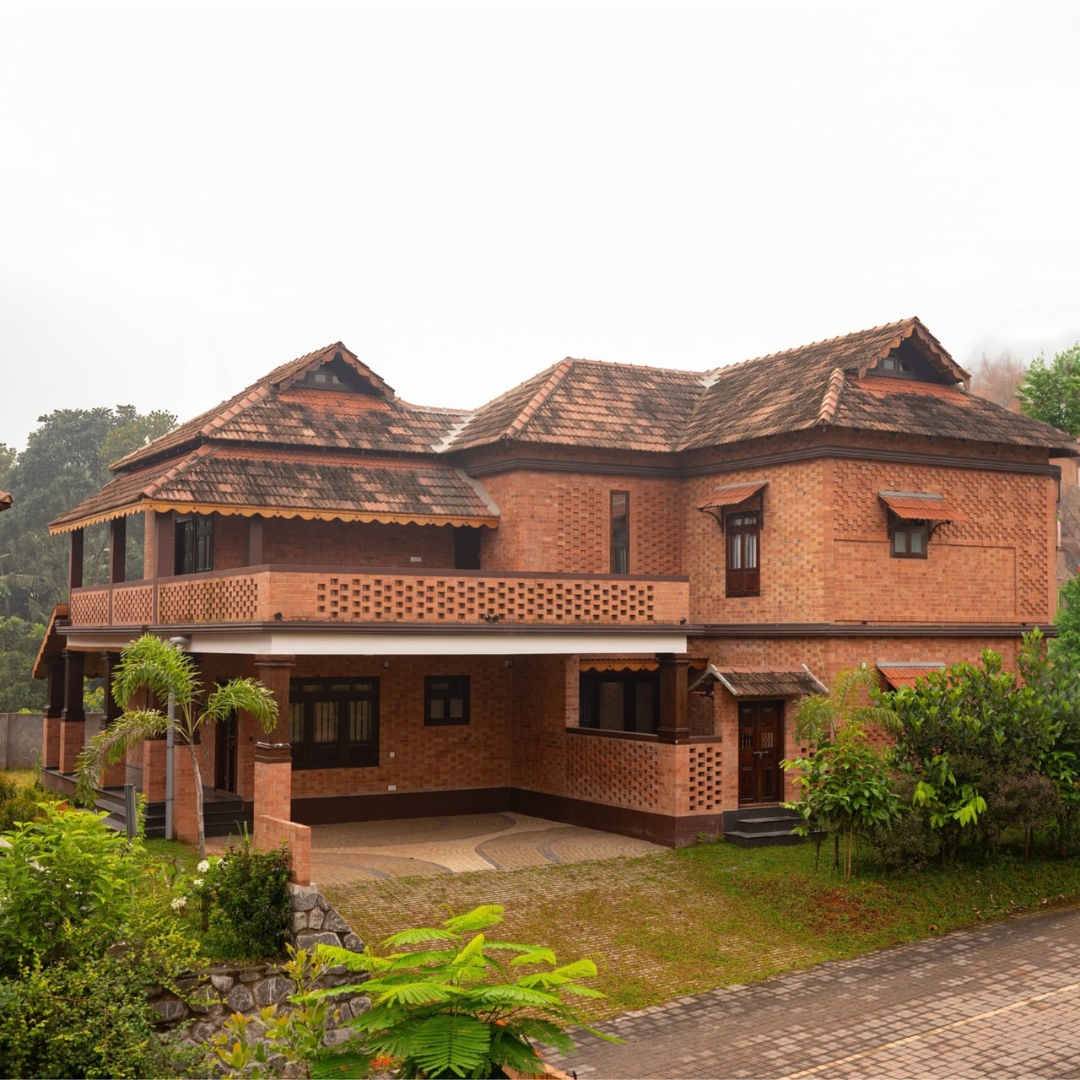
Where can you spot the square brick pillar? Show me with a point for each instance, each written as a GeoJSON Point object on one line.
{"type": "Point", "coordinates": [673, 698]}
{"type": "Point", "coordinates": [114, 774]}
{"type": "Point", "coordinates": [72, 717]}
{"type": "Point", "coordinates": [50, 733]}
{"type": "Point", "coordinates": [185, 812]}
{"type": "Point", "coordinates": [273, 774]}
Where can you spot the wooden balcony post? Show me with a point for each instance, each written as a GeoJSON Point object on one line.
{"type": "Point", "coordinates": [75, 560]}
{"type": "Point", "coordinates": [50, 737]}
{"type": "Point", "coordinates": [255, 540]}
{"type": "Point", "coordinates": [117, 550]}
{"type": "Point", "coordinates": [72, 717]}
{"type": "Point", "coordinates": [673, 698]}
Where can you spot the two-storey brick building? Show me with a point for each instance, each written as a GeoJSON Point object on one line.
{"type": "Point", "coordinates": [594, 599]}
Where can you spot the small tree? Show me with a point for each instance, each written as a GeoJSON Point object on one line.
{"type": "Point", "coordinates": [1051, 392]}
{"type": "Point", "coordinates": [159, 666]}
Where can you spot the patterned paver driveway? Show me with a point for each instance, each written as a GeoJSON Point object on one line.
{"type": "Point", "coordinates": [407, 847]}
{"type": "Point", "coordinates": [999, 1001]}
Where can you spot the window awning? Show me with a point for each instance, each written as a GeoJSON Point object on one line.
{"type": "Point", "coordinates": [764, 681]}
{"type": "Point", "coordinates": [731, 495]}
{"type": "Point", "coordinates": [898, 673]}
{"type": "Point", "coordinates": [919, 506]}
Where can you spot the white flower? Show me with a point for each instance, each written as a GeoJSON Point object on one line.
{"type": "Point", "coordinates": [179, 903]}
{"type": "Point", "coordinates": [204, 866]}
{"type": "Point", "coordinates": [197, 883]}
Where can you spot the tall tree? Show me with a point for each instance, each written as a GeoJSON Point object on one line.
{"type": "Point", "coordinates": [1051, 392]}
{"type": "Point", "coordinates": [997, 378]}
{"type": "Point", "coordinates": [65, 461]}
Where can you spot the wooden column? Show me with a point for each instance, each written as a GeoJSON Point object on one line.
{"type": "Point", "coordinates": [117, 550]}
{"type": "Point", "coordinates": [673, 698]}
{"type": "Point", "coordinates": [50, 735]}
{"type": "Point", "coordinates": [164, 546]}
{"type": "Point", "coordinates": [255, 540]}
{"type": "Point", "coordinates": [72, 717]}
{"type": "Point", "coordinates": [273, 752]}
{"type": "Point", "coordinates": [116, 774]}
{"type": "Point", "coordinates": [75, 560]}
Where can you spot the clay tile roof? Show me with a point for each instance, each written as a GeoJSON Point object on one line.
{"type": "Point", "coordinates": [5, 500]}
{"type": "Point", "coordinates": [765, 681]}
{"type": "Point", "coordinates": [899, 674]}
{"type": "Point", "coordinates": [250, 480]}
{"type": "Point", "coordinates": [276, 410]}
{"type": "Point", "coordinates": [589, 403]}
{"type": "Point", "coordinates": [917, 506]}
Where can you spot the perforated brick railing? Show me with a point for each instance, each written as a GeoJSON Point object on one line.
{"type": "Point", "coordinates": [703, 787]}
{"type": "Point", "coordinates": [220, 599]}
{"type": "Point", "coordinates": [133, 606]}
{"type": "Point", "coordinates": [619, 772]}
{"type": "Point", "coordinates": [445, 599]}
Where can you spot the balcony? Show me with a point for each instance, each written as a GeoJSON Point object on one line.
{"type": "Point", "coordinates": [284, 594]}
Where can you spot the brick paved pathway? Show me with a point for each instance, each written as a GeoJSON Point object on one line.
{"type": "Point", "coordinates": [1002, 1001]}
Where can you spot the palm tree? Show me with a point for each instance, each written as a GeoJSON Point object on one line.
{"type": "Point", "coordinates": [820, 717]}
{"type": "Point", "coordinates": [162, 668]}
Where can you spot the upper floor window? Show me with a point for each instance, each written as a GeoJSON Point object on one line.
{"type": "Point", "coordinates": [194, 548]}
{"type": "Point", "coordinates": [909, 540]}
{"type": "Point", "coordinates": [743, 551]}
{"type": "Point", "coordinates": [466, 548]}
{"type": "Point", "coordinates": [620, 532]}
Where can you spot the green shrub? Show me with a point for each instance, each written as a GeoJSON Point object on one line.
{"type": "Point", "coordinates": [66, 888]}
{"type": "Point", "coordinates": [90, 1020]}
{"type": "Point", "coordinates": [18, 803]}
{"type": "Point", "coordinates": [248, 902]}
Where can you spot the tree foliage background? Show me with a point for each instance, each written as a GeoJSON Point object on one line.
{"type": "Point", "coordinates": [65, 461]}
{"type": "Point", "coordinates": [1051, 391]}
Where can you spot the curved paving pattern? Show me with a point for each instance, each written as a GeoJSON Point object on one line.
{"type": "Point", "coordinates": [425, 847]}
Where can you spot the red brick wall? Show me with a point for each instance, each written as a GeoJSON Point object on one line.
{"type": "Point", "coordinates": [355, 543]}
{"type": "Point", "coordinates": [545, 694]}
{"type": "Point", "coordinates": [561, 522]}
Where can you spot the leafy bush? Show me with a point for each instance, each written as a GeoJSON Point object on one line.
{"type": "Point", "coordinates": [247, 902]}
{"type": "Point", "coordinates": [453, 1011]}
{"type": "Point", "coordinates": [89, 1020]}
{"type": "Point", "coordinates": [19, 803]}
{"type": "Point", "coordinates": [66, 888]}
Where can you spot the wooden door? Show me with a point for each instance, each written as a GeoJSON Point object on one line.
{"type": "Point", "coordinates": [225, 755]}
{"type": "Point", "coordinates": [761, 741]}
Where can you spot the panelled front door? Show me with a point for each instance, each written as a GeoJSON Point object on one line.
{"type": "Point", "coordinates": [761, 739]}
{"type": "Point", "coordinates": [225, 755]}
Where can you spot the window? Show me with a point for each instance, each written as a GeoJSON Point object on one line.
{"type": "Point", "coordinates": [743, 550]}
{"type": "Point", "coordinates": [620, 700]}
{"type": "Point", "coordinates": [194, 547]}
{"type": "Point", "coordinates": [620, 532]}
{"type": "Point", "coordinates": [909, 540]}
{"type": "Point", "coordinates": [334, 723]}
{"type": "Point", "coordinates": [446, 700]}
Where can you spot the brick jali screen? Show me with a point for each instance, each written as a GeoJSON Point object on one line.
{"type": "Point", "coordinates": [133, 606]}
{"type": "Point", "coordinates": [703, 788]}
{"type": "Point", "coordinates": [424, 598]}
{"type": "Point", "coordinates": [222, 599]}
{"type": "Point", "coordinates": [619, 772]}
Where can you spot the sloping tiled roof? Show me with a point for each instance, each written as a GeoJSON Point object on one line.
{"type": "Point", "coordinates": [275, 410]}
{"type": "Point", "coordinates": [905, 674]}
{"type": "Point", "coordinates": [284, 483]}
{"type": "Point", "coordinates": [590, 403]}
{"type": "Point", "coordinates": [765, 681]}
{"type": "Point", "coordinates": [5, 500]}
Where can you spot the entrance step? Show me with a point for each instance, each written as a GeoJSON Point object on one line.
{"type": "Point", "coordinates": [761, 826]}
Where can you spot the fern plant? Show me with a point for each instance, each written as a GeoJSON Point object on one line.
{"type": "Point", "coordinates": [450, 1008]}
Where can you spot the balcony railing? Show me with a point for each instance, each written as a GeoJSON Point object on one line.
{"type": "Point", "coordinates": [260, 594]}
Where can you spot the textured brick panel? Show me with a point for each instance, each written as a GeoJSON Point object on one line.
{"type": "Point", "coordinates": [218, 599]}
{"type": "Point", "coordinates": [90, 607]}
{"type": "Point", "coordinates": [133, 606]}
{"type": "Point", "coordinates": [619, 772]}
{"type": "Point", "coordinates": [704, 779]}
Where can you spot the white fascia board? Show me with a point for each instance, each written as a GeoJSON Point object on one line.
{"type": "Point", "coordinates": [284, 643]}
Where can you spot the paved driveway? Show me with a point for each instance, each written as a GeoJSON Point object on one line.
{"type": "Point", "coordinates": [999, 1001]}
{"type": "Point", "coordinates": [408, 847]}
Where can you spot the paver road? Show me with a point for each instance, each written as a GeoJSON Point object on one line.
{"type": "Point", "coordinates": [1000, 1001]}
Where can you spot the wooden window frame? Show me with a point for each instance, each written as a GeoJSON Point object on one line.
{"type": "Point", "coordinates": [589, 698]}
{"type": "Point", "coordinates": [193, 544]}
{"type": "Point", "coordinates": [459, 688]}
{"type": "Point", "coordinates": [620, 545]}
{"type": "Point", "coordinates": [342, 753]}
{"type": "Point", "coordinates": [743, 580]}
{"type": "Point", "coordinates": [906, 528]}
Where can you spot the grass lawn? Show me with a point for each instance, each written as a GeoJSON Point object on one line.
{"type": "Point", "coordinates": [681, 922]}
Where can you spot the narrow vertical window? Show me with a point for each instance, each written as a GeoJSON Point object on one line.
{"type": "Point", "coordinates": [620, 532]}
{"type": "Point", "coordinates": [743, 538]}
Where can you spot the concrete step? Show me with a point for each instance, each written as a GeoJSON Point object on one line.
{"type": "Point", "coordinates": [767, 823]}
{"type": "Point", "coordinates": [776, 838]}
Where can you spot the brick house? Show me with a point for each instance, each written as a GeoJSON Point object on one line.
{"type": "Point", "coordinates": [593, 599]}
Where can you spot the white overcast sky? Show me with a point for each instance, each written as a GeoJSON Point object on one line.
{"type": "Point", "coordinates": [464, 194]}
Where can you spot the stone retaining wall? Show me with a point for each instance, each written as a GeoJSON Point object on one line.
{"type": "Point", "coordinates": [211, 996]}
